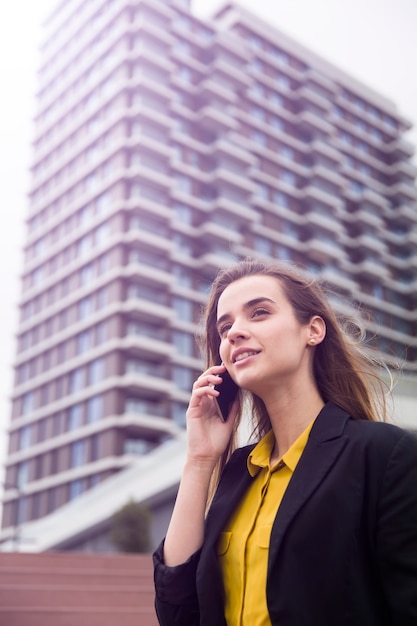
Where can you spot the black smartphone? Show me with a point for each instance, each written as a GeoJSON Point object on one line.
{"type": "Point", "coordinates": [228, 391]}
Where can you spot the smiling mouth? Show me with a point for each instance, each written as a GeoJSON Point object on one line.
{"type": "Point", "coordinates": [244, 355]}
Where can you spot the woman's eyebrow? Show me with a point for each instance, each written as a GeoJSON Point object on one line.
{"type": "Point", "coordinates": [247, 305]}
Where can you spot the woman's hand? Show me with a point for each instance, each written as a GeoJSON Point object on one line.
{"type": "Point", "coordinates": [207, 434]}
{"type": "Point", "coordinates": [207, 439]}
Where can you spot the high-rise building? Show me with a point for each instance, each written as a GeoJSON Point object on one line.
{"type": "Point", "coordinates": [167, 146]}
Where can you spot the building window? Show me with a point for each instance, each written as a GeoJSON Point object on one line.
{"type": "Point", "coordinates": [146, 293]}
{"type": "Point", "coordinates": [183, 214]}
{"type": "Point", "coordinates": [84, 341]}
{"type": "Point", "coordinates": [259, 137]}
{"type": "Point", "coordinates": [280, 56]}
{"type": "Point", "coordinates": [76, 488]}
{"type": "Point", "coordinates": [95, 447]}
{"type": "Point", "coordinates": [284, 253]}
{"type": "Point", "coordinates": [144, 407]}
{"type": "Point", "coordinates": [147, 330]}
{"type": "Point", "coordinates": [179, 410]}
{"type": "Point", "coordinates": [355, 187]}
{"type": "Point", "coordinates": [183, 276]}
{"type": "Point", "coordinates": [24, 437]}
{"type": "Point", "coordinates": [103, 203]}
{"type": "Point", "coordinates": [102, 234]}
{"type": "Point", "coordinates": [262, 191]}
{"type": "Point", "coordinates": [59, 387]}
{"type": "Point", "coordinates": [276, 99]}
{"type": "Point", "coordinates": [258, 90]}
{"type": "Point", "coordinates": [280, 198]}
{"type": "Point", "coordinates": [85, 307]}
{"type": "Point", "coordinates": [286, 152]}
{"type": "Point", "coordinates": [263, 245]}
{"type": "Point", "coordinates": [138, 447]}
{"type": "Point", "coordinates": [283, 81]}
{"type": "Point", "coordinates": [22, 474]}
{"type": "Point", "coordinates": [102, 297]}
{"type": "Point", "coordinates": [21, 511]}
{"type": "Point", "coordinates": [183, 183]}
{"type": "Point", "coordinates": [289, 178]}
{"type": "Point", "coordinates": [95, 409]}
{"type": "Point", "coordinates": [183, 309]}
{"type": "Point", "coordinates": [183, 245]}
{"type": "Point", "coordinates": [78, 453]}
{"type": "Point", "coordinates": [183, 342]}
{"type": "Point", "coordinates": [74, 417]}
{"type": "Point", "coordinates": [86, 275]}
{"type": "Point", "coordinates": [96, 371]}
{"type": "Point", "coordinates": [28, 403]}
{"type": "Point", "coordinates": [185, 74]}
{"type": "Point", "coordinates": [76, 380]}
{"type": "Point", "coordinates": [84, 246]}
{"type": "Point", "coordinates": [255, 42]}
{"type": "Point", "coordinates": [101, 333]}
{"type": "Point", "coordinates": [42, 430]}
{"type": "Point", "coordinates": [183, 377]}
{"type": "Point", "coordinates": [258, 113]}
{"type": "Point", "coordinates": [57, 424]}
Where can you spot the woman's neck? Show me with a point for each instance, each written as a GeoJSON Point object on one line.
{"type": "Point", "coordinates": [290, 414]}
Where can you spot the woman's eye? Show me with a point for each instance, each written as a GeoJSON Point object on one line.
{"type": "Point", "coordinates": [224, 329]}
{"type": "Point", "coordinates": [258, 312]}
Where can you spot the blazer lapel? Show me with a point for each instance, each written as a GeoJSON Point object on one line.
{"type": "Point", "coordinates": [234, 482]}
{"type": "Point", "coordinates": [321, 452]}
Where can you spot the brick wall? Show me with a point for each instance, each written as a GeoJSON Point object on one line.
{"type": "Point", "coordinates": [76, 589]}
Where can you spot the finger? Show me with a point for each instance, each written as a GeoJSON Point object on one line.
{"type": "Point", "coordinates": [206, 380]}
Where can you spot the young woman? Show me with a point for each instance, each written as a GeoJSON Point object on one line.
{"type": "Point", "coordinates": [316, 524]}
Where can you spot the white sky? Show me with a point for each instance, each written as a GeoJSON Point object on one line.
{"type": "Point", "coordinates": [374, 40]}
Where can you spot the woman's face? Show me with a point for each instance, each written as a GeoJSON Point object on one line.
{"type": "Point", "coordinates": [262, 344]}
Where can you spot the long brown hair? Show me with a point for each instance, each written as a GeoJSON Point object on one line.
{"type": "Point", "coordinates": [344, 370]}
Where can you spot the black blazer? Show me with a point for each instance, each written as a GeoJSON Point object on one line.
{"type": "Point", "coordinates": [343, 548]}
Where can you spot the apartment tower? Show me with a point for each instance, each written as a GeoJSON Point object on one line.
{"type": "Point", "coordinates": [165, 147]}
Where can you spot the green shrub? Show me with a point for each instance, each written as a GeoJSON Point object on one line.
{"type": "Point", "coordinates": [130, 528]}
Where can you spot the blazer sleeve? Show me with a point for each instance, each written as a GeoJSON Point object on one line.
{"type": "Point", "coordinates": [176, 602]}
{"type": "Point", "coordinates": [396, 542]}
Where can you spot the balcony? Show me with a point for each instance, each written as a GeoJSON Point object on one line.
{"type": "Point", "coordinates": [211, 262]}
{"type": "Point", "coordinates": [211, 89]}
{"type": "Point", "coordinates": [211, 231]}
{"type": "Point", "coordinates": [150, 240]}
{"type": "Point", "coordinates": [338, 278]}
{"type": "Point", "coordinates": [224, 178]}
{"type": "Point", "coordinates": [313, 192]}
{"type": "Point", "coordinates": [371, 268]}
{"type": "Point", "coordinates": [321, 220]}
{"type": "Point", "coordinates": [400, 148]}
{"type": "Point", "coordinates": [405, 192]}
{"type": "Point", "coordinates": [236, 208]}
{"type": "Point", "coordinates": [232, 150]}
{"type": "Point", "coordinates": [229, 75]}
{"type": "Point", "coordinates": [315, 123]}
{"type": "Point", "coordinates": [367, 216]}
{"type": "Point", "coordinates": [406, 212]}
{"type": "Point", "coordinates": [324, 250]}
{"type": "Point", "coordinates": [151, 386]}
{"type": "Point", "coordinates": [153, 275]}
{"type": "Point", "coordinates": [307, 97]}
{"type": "Point", "coordinates": [145, 346]}
{"type": "Point", "coordinates": [326, 152]}
{"type": "Point", "coordinates": [216, 120]}
{"type": "Point", "coordinates": [368, 242]}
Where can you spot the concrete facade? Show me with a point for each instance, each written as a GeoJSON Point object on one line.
{"type": "Point", "coordinates": [165, 148]}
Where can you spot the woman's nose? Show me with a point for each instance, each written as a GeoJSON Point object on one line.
{"type": "Point", "coordinates": [237, 331]}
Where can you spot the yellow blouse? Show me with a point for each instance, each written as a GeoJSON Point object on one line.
{"type": "Point", "coordinates": [243, 545]}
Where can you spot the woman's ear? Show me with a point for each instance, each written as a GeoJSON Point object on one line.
{"type": "Point", "coordinates": [316, 330]}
